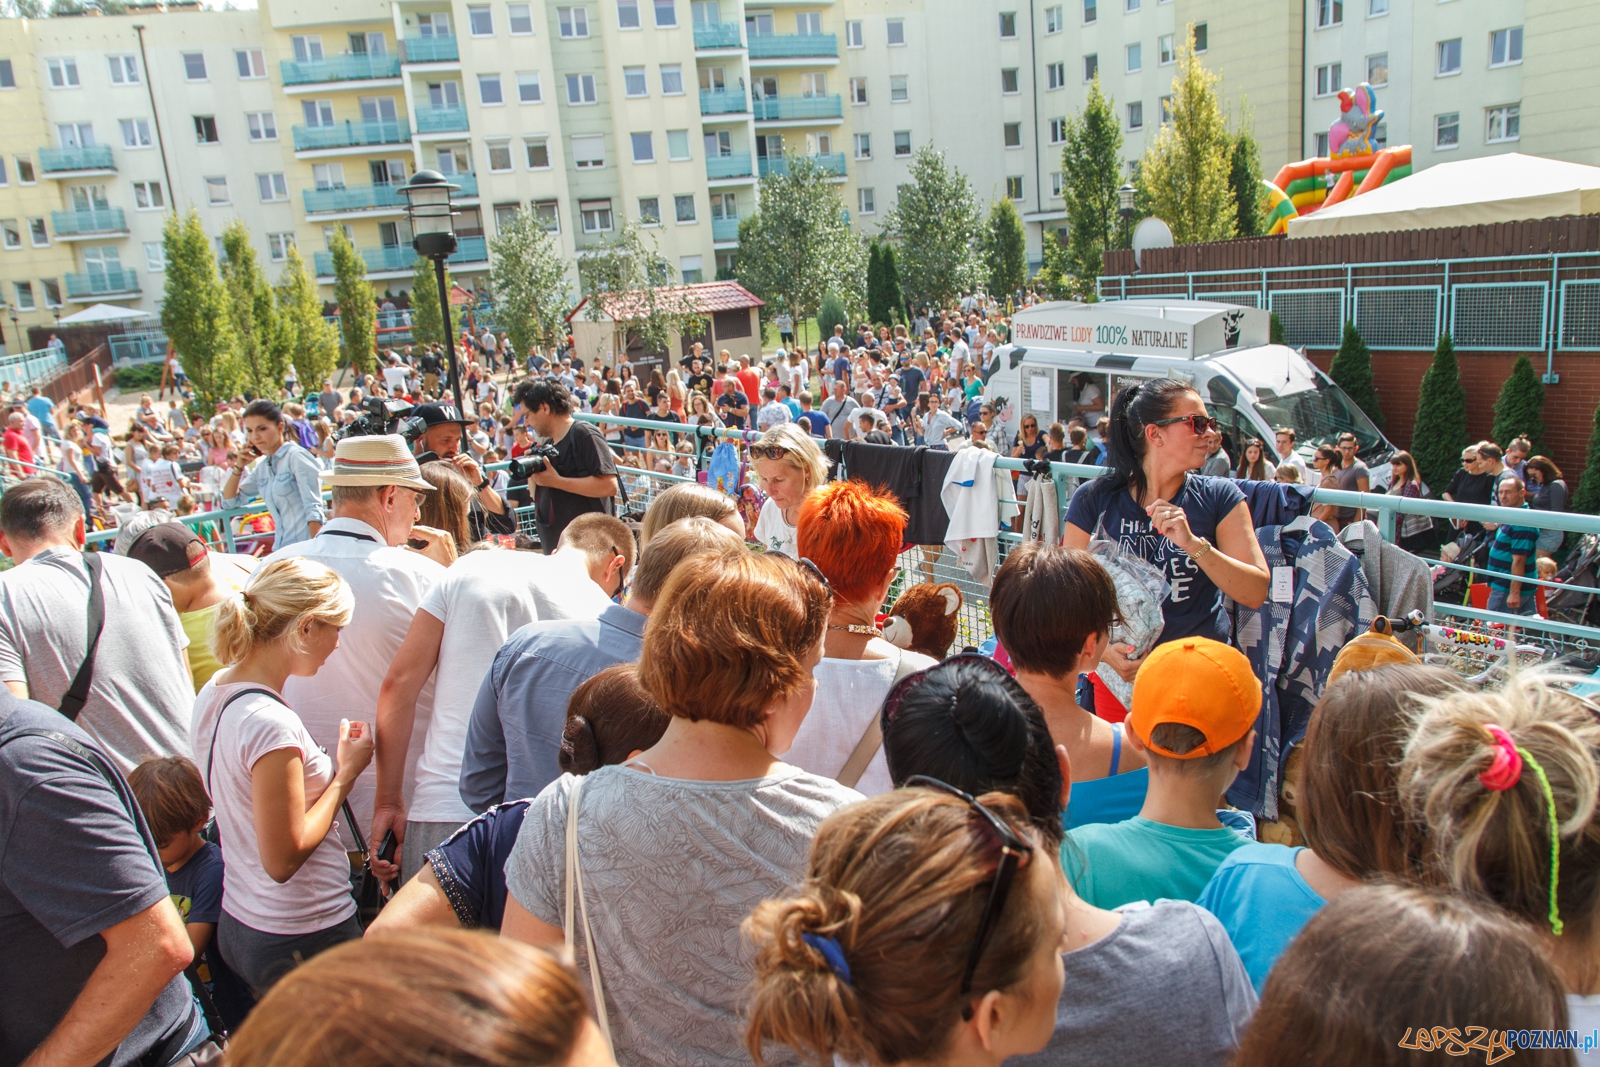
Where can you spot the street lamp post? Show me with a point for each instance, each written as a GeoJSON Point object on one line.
{"type": "Point", "coordinates": [433, 231]}
{"type": "Point", "coordinates": [1125, 209]}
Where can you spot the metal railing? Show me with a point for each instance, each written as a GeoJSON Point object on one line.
{"type": "Point", "coordinates": [793, 45]}
{"type": "Point", "coordinates": [775, 108]}
{"type": "Point", "coordinates": [723, 102]}
{"type": "Point", "coordinates": [716, 35]}
{"type": "Point", "coordinates": [99, 220]}
{"type": "Point", "coordinates": [129, 349]}
{"type": "Point", "coordinates": [735, 165]}
{"type": "Point", "coordinates": [833, 163]}
{"type": "Point", "coordinates": [353, 198]}
{"type": "Point", "coordinates": [725, 229]}
{"type": "Point", "coordinates": [431, 49]}
{"type": "Point", "coordinates": [440, 119]}
{"type": "Point", "coordinates": [84, 157]}
{"type": "Point", "coordinates": [351, 134]}
{"type": "Point", "coordinates": [339, 69]}
{"type": "Point", "coordinates": [33, 368]}
{"type": "Point", "coordinates": [97, 283]}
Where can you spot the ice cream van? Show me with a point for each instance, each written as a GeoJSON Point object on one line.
{"type": "Point", "coordinates": [1068, 359]}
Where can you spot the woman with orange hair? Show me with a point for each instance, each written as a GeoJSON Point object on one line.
{"type": "Point", "coordinates": [853, 534]}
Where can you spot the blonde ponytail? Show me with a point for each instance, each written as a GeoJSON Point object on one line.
{"type": "Point", "coordinates": [273, 604]}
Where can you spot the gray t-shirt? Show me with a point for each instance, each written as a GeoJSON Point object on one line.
{"type": "Point", "coordinates": [842, 413]}
{"type": "Point", "coordinates": [1166, 986]}
{"type": "Point", "coordinates": [1218, 465]}
{"type": "Point", "coordinates": [141, 699]}
{"type": "Point", "coordinates": [1348, 479]}
{"type": "Point", "coordinates": [670, 870]}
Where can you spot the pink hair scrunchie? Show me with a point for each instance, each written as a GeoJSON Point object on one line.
{"type": "Point", "coordinates": [1506, 770]}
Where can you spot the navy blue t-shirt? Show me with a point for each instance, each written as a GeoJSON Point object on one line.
{"type": "Point", "coordinates": [911, 379]}
{"type": "Point", "coordinates": [841, 367]}
{"type": "Point", "coordinates": [471, 865]}
{"type": "Point", "coordinates": [816, 422]}
{"type": "Point", "coordinates": [196, 891]}
{"type": "Point", "coordinates": [1195, 607]}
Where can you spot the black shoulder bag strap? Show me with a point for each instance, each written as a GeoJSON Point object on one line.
{"type": "Point", "coordinates": [211, 752]}
{"type": "Point", "coordinates": [78, 691]}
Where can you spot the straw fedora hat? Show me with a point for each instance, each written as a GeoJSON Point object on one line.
{"type": "Point", "coordinates": [375, 460]}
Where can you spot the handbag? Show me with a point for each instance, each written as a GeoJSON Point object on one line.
{"type": "Point", "coordinates": [574, 897]}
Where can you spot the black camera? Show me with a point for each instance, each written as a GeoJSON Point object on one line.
{"type": "Point", "coordinates": [381, 416]}
{"type": "Point", "coordinates": [532, 462]}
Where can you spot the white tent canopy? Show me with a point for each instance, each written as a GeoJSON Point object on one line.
{"type": "Point", "coordinates": [1471, 192]}
{"type": "Point", "coordinates": [103, 313]}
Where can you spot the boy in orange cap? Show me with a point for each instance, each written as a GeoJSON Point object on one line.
{"type": "Point", "coordinates": [1194, 710]}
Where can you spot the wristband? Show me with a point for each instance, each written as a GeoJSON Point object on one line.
{"type": "Point", "coordinates": [483, 484]}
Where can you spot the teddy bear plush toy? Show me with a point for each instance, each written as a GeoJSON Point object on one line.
{"type": "Point", "coordinates": [923, 619]}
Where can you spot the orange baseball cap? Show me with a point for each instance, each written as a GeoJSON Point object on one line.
{"type": "Point", "coordinates": [1200, 683]}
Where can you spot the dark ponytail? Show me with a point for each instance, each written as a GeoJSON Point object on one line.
{"type": "Point", "coordinates": [1135, 407]}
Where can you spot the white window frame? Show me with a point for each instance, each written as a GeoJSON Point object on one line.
{"type": "Point", "coordinates": [486, 81]}
{"type": "Point", "coordinates": [1439, 51]}
{"type": "Point", "coordinates": [586, 87]}
{"type": "Point", "coordinates": [1330, 13]}
{"type": "Point", "coordinates": [1166, 53]}
{"type": "Point", "coordinates": [573, 22]}
{"type": "Point", "coordinates": [139, 128]}
{"type": "Point", "coordinates": [853, 34]}
{"type": "Point", "coordinates": [498, 144]}
{"type": "Point", "coordinates": [38, 232]}
{"type": "Point", "coordinates": [1135, 110]}
{"type": "Point", "coordinates": [1091, 66]}
{"type": "Point", "coordinates": [1007, 131]}
{"type": "Point", "coordinates": [1328, 79]}
{"type": "Point", "coordinates": [124, 69]}
{"type": "Point", "coordinates": [601, 214]}
{"type": "Point", "coordinates": [143, 191]}
{"type": "Point", "coordinates": [1514, 35]}
{"type": "Point", "coordinates": [1507, 113]}
{"type": "Point", "coordinates": [1015, 77]}
{"type": "Point", "coordinates": [578, 157]}
{"type": "Point", "coordinates": [24, 292]}
{"type": "Point", "coordinates": [866, 200]}
{"type": "Point", "coordinates": [1439, 126]}
{"type": "Point", "coordinates": [198, 130]}
{"type": "Point", "coordinates": [684, 269]}
{"type": "Point", "coordinates": [512, 19]}
{"type": "Point", "coordinates": [529, 144]}
{"type": "Point", "coordinates": [272, 188]}
{"type": "Point", "coordinates": [1055, 20]}
{"type": "Point", "coordinates": [1056, 188]}
{"type": "Point", "coordinates": [1004, 15]}
{"type": "Point", "coordinates": [10, 234]}
{"type": "Point", "coordinates": [863, 145]}
{"type": "Point", "coordinates": [1385, 57]}
{"type": "Point", "coordinates": [1015, 181]}
{"type": "Point", "coordinates": [155, 257]}
{"type": "Point", "coordinates": [261, 125]}
{"type": "Point", "coordinates": [63, 73]}
{"type": "Point", "coordinates": [858, 92]}
{"type": "Point", "coordinates": [211, 190]}
{"type": "Point", "coordinates": [629, 17]}
{"type": "Point", "coordinates": [635, 83]}
{"type": "Point", "coordinates": [1377, 8]}
{"type": "Point", "coordinates": [1058, 131]}
{"type": "Point", "coordinates": [278, 245]}
{"type": "Point", "coordinates": [892, 28]}
{"type": "Point", "coordinates": [908, 153]}
{"type": "Point", "coordinates": [205, 71]}
{"type": "Point", "coordinates": [475, 10]}
{"type": "Point", "coordinates": [675, 68]}
{"type": "Point", "coordinates": [678, 201]}
{"type": "Point", "coordinates": [650, 218]}
{"type": "Point", "coordinates": [903, 89]}
{"type": "Point", "coordinates": [649, 145]}
{"type": "Point", "coordinates": [1133, 57]}
{"type": "Point", "coordinates": [682, 136]}
{"type": "Point", "coordinates": [527, 79]}
{"type": "Point", "coordinates": [255, 61]}
{"type": "Point", "coordinates": [656, 8]}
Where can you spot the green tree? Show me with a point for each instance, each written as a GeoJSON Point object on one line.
{"type": "Point", "coordinates": [1440, 431]}
{"type": "Point", "coordinates": [830, 313]}
{"type": "Point", "coordinates": [195, 312]}
{"type": "Point", "coordinates": [1275, 334]}
{"type": "Point", "coordinates": [262, 346]}
{"type": "Point", "coordinates": [1185, 170]}
{"type": "Point", "coordinates": [1091, 172]}
{"type": "Point", "coordinates": [1056, 279]}
{"type": "Point", "coordinates": [876, 311]}
{"type": "Point", "coordinates": [1005, 248]}
{"type": "Point", "coordinates": [1587, 497]}
{"type": "Point", "coordinates": [1351, 370]}
{"type": "Point", "coordinates": [358, 312]}
{"type": "Point", "coordinates": [427, 322]}
{"type": "Point", "coordinates": [798, 246]}
{"type": "Point", "coordinates": [530, 282]}
{"type": "Point", "coordinates": [24, 9]}
{"type": "Point", "coordinates": [1519, 410]}
{"type": "Point", "coordinates": [1244, 178]}
{"type": "Point", "coordinates": [894, 293]}
{"type": "Point", "coordinates": [312, 341]}
{"type": "Point", "coordinates": [627, 279]}
{"type": "Point", "coordinates": [939, 231]}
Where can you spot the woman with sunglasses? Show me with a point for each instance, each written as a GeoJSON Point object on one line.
{"type": "Point", "coordinates": [928, 930]}
{"type": "Point", "coordinates": [790, 466]}
{"type": "Point", "coordinates": [1196, 529]}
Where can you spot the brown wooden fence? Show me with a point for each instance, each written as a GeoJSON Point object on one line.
{"type": "Point", "coordinates": [78, 381]}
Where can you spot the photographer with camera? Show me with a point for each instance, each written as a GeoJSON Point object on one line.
{"type": "Point", "coordinates": [573, 470]}
{"type": "Point", "coordinates": [442, 440]}
{"type": "Point", "coordinates": [286, 477]}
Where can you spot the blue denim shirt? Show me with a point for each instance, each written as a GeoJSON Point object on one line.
{"type": "Point", "coordinates": [514, 736]}
{"type": "Point", "coordinates": [289, 482]}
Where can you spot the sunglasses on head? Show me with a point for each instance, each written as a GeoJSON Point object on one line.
{"type": "Point", "coordinates": [815, 571]}
{"type": "Point", "coordinates": [769, 451]}
{"type": "Point", "coordinates": [1200, 424]}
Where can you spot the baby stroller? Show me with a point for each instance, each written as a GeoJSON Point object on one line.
{"type": "Point", "coordinates": [1449, 584]}
{"type": "Point", "coordinates": [1582, 570]}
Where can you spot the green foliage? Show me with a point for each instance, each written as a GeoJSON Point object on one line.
{"type": "Point", "coordinates": [24, 9]}
{"type": "Point", "coordinates": [894, 293]}
{"type": "Point", "coordinates": [1056, 279]}
{"type": "Point", "coordinates": [884, 299]}
{"type": "Point", "coordinates": [1005, 248]}
{"type": "Point", "coordinates": [140, 376]}
{"type": "Point", "coordinates": [627, 279]}
{"type": "Point", "coordinates": [798, 246]}
{"type": "Point", "coordinates": [530, 282]}
{"type": "Point", "coordinates": [1244, 178]}
{"type": "Point", "coordinates": [196, 313]}
{"type": "Point", "coordinates": [1587, 497]}
{"type": "Point", "coordinates": [358, 312]}
{"type": "Point", "coordinates": [939, 232]}
{"type": "Point", "coordinates": [1091, 172]}
{"type": "Point", "coordinates": [427, 322]}
{"type": "Point", "coordinates": [1519, 410]}
{"type": "Point", "coordinates": [875, 309]}
{"type": "Point", "coordinates": [1351, 370]}
{"type": "Point", "coordinates": [1440, 432]}
{"type": "Point", "coordinates": [263, 353]}
{"type": "Point", "coordinates": [1275, 334]}
{"type": "Point", "coordinates": [1185, 170]}
{"type": "Point", "coordinates": [830, 313]}
{"type": "Point", "coordinates": [311, 340]}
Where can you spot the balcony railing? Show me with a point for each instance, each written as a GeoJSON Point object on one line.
{"type": "Point", "coordinates": [441, 119]}
{"type": "Point", "coordinates": [403, 257]}
{"type": "Point", "coordinates": [722, 102]}
{"type": "Point", "coordinates": [833, 163]}
{"type": "Point", "coordinates": [88, 157]}
{"type": "Point", "coordinates": [33, 368]}
{"type": "Point", "coordinates": [101, 283]}
{"type": "Point", "coordinates": [799, 107]}
{"type": "Point", "coordinates": [793, 45]}
{"type": "Point", "coordinates": [339, 69]}
{"type": "Point", "coordinates": [736, 165]}
{"type": "Point", "coordinates": [725, 229]}
{"type": "Point", "coordinates": [357, 198]}
{"type": "Point", "coordinates": [470, 250]}
{"type": "Point", "coordinates": [431, 49]}
{"type": "Point", "coordinates": [92, 221]}
{"type": "Point", "coordinates": [716, 35]}
{"type": "Point", "coordinates": [349, 134]}
{"type": "Point", "coordinates": [127, 349]}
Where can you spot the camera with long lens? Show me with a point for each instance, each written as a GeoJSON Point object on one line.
{"type": "Point", "coordinates": [381, 416]}
{"type": "Point", "coordinates": [532, 462]}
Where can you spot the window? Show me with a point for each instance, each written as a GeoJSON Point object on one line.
{"type": "Point", "coordinates": [650, 211]}
{"type": "Point", "coordinates": [194, 66]}
{"type": "Point", "coordinates": [897, 32]}
{"type": "Point", "coordinates": [813, 85]}
{"type": "Point", "coordinates": [1447, 130]}
{"type": "Point", "coordinates": [205, 129]}
{"type": "Point", "coordinates": [852, 34]}
{"type": "Point", "coordinates": [902, 142]}
{"type": "Point", "coordinates": [1135, 53]}
{"type": "Point", "coordinates": [499, 156]}
{"type": "Point", "coordinates": [628, 14]}
{"type": "Point", "coordinates": [580, 89]}
{"type": "Point", "coordinates": [1058, 130]}
{"type": "Point", "coordinates": [5, 179]}
{"type": "Point", "coordinates": [588, 151]}
{"type": "Point", "coordinates": [899, 90]}
{"type": "Point", "coordinates": [724, 205]}
{"type": "Point", "coordinates": [52, 292]}
{"type": "Point", "coordinates": [272, 187]}
{"type": "Point", "coordinates": [1329, 13]}
{"type": "Point", "coordinates": [263, 125]}
{"type": "Point", "coordinates": [124, 70]}
{"type": "Point", "coordinates": [8, 77]}
{"type": "Point", "coordinates": [596, 215]}
{"type": "Point", "coordinates": [1012, 134]}
{"type": "Point", "coordinates": [672, 79]}
{"type": "Point", "coordinates": [1055, 185]}
{"type": "Point", "coordinates": [1054, 19]}
{"type": "Point", "coordinates": [38, 234]}
{"type": "Point", "coordinates": [25, 296]}
{"type": "Point", "coordinates": [528, 88]}
{"type": "Point", "coordinates": [319, 112]}
{"type": "Point", "coordinates": [1136, 115]}
{"type": "Point", "coordinates": [1090, 13]}
{"type": "Point", "coordinates": [1330, 78]}
{"type": "Point", "coordinates": [678, 144]}
{"type": "Point", "coordinates": [217, 191]}
{"type": "Point", "coordinates": [1505, 47]}
{"type": "Point", "coordinates": [63, 73]}
{"type": "Point", "coordinates": [548, 215]}
{"type": "Point", "coordinates": [11, 234]}
{"type": "Point", "coordinates": [1164, 52]}
{"type": "Point", "coordinates": [135, 133]}
{"type": "Point", "coordinates": [633, 82]}
{"type": "Point", "coordinates": [1091, 66]}
{"type": "Point", "coordinates": [683, 208]}
{"type": "Point", "coordinates": [538, 152]}
{"type": "Point", "coordinates": [328, 175]}
{"type": "Point", "coordinates": [1131, 6]}
{"type": "Point", "coordinates": [573, 21]}
{"type": "Point", "coordinates": [1378, 69]}
{"type": "Point", "coordinates": [489, 90]}
{"type": "Point", "coordinates": [1449, 55]}
{"type": "Point", "coordinates": [1008, 24]}
{"type": "Point", "coordinates": [1014, 187]}
{"type": "Point", "coordinates": [480, 21]}
{"type": "Point", "coordinates": [1055, 75]}
{"type": "Point", "coordinates": [1322, 145]}
{"type": "Point", "coordinates": [147, 196]}
{"type": "Point", "coordinates": [155, 257]}
{"type": "Point", "coordinates": [1380, 136]}
{"type": "Point", "coordinates": [278, 245]}
{"type": "Point", "coordinates": [644, 148]}
{"type": "Point", "coordinates": [252, 63]}
{"type": "Point", "coordinates": [75, 134]}
{"type": "Point", "coordinates": [307, 47]}
{"type": "Point", "coordinates": [1166, 110]}
{"type": "Point", "coordinates": [863, 146]}
{"type": "Point", "coordinates": [858, 91]}
{"type": "Point", "coordinates": [453, 160]}
{"type": "Point", "coordinates": [1377, 7]}
{"type": "Point", "coordinates": [866, 202]}
{"type": "Point", "coordinates": [692, 270]}
{"type": "Point", "coordinates": [1008, 80]}
{"type": "Point", "coordinates": [666, 14]}
{"type": "Point", "coordinates": [1202, 37]}
{"type": "Point", "coordinates": [1504, 124]}
{"type": "Point", "coordinates": [808, 23]}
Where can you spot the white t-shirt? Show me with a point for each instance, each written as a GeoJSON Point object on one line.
{"type": "Point", "coordinates": [71, 461]}
{"type": "Point", "coordinates": [850, 694]}
{"type": "Point", "coordinates": [160, 477]}
{"type": "Point", "coordinates": [483, 597]}
{"type": "Point", "coordinates": [394, 378]}
{"type": "Point", "coordinates": [318, 894]}
{"type": "Point", "coordinates": [774, 534]}
{"type": "Point", "coordinates": [1089, 395]}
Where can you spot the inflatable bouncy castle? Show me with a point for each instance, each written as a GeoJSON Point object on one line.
{"type": "Point", "coordinates": [1351, 168]}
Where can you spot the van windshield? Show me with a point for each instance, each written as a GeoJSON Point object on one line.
{"type": "Point", "coordinates": [1319, 415]}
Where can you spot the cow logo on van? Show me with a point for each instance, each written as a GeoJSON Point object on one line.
{"type": "Point", "coordinates": [1230, 328]}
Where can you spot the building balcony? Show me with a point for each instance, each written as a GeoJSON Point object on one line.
{"type": "Point", "coordinates": [95, 222]}
{"type": "Point", "coordinates": [711, 35]}
{"type": "Point", "coordinates": [776, 108]}
{"type": "Point", "coordinates": [70, 162]}
{"type": "Point", "coordinates": [403, 259]}
{"type": "Point", "coordinates": [431, 50]}
{"type": "Point", "coordinates": [470, 250]}
{"type": "Point", "coordinates": [97, 284]}
{"type": "Point", "coordinates": [356, 198]}
{"type": "Point", "coordinates": [339, 69]}
{"type": "Point", "coordinates": [350, 134]}
{"type": "Point", "coordinates": [724, 230]}
{"type": "Point", "coordinates": [441, 119]}
{"type": "Point", "coordinates": [793, 45]}
{"type": "Point", "coordinates": [833, 163]}
{"type": "Point", "coordinates": [736, 165]}
{"type": "Point", "coordinates": [722, 102]}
